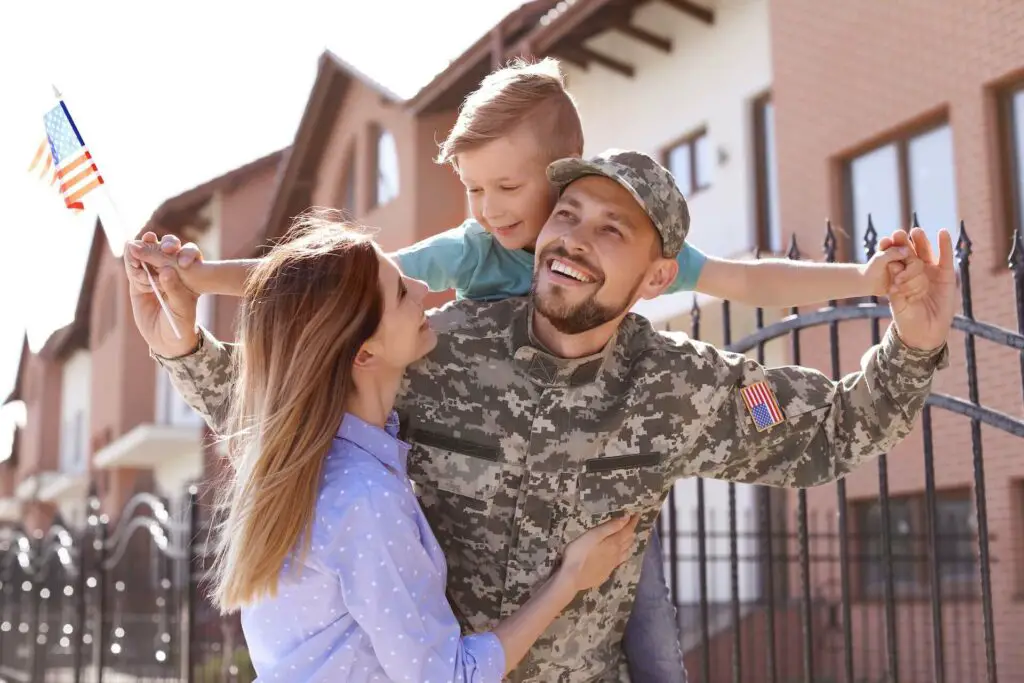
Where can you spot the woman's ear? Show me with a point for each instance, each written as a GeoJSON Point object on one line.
{"type": "Point", "coordinates": [365, 358]}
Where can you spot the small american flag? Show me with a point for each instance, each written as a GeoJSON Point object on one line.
{"type": "Point", "coordinates": [763, 406]}
{"type": "Point", "coordinates": [69, 159]}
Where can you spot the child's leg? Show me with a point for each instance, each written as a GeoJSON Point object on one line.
{"type": "Point", "coordinates": [652, 633]}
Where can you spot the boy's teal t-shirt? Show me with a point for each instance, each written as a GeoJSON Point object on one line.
{"type": "Point", "coordinates": [469, 260]}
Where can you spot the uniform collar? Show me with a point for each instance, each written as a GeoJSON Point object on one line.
{"type": "Point", "coordinates": [382, 444]}
{"type": "Point", "coordinates": [547, 369]}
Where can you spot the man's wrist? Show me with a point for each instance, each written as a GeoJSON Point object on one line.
{"type": "Point", "coordinates": [193, 339]}
{"type": "Point", "coordinates": [916, 347]}
{"type": "Point", "coordinates": [910, 355]}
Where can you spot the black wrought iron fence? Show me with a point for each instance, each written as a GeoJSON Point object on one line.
{"type": "Point", "coordinates": [891, 634]}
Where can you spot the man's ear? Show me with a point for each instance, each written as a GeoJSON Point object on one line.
{"type": "Point", "coordinates": [660, 275]}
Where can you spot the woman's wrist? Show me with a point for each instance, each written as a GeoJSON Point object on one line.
{"type": "Point", "coordinates": [562, 585]}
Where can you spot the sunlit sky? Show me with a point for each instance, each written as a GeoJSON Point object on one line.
{"type": "Point", "coordinates": [168, 95]}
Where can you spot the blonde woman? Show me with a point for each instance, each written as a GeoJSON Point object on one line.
{"type": "Point", "coordinates": [325, 548]}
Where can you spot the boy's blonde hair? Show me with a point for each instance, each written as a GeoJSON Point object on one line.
{"type": "Point", "coordinates": [522, 93]}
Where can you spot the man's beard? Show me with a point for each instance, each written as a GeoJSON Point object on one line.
{"type": "Point", "coordinates": [575, 318]}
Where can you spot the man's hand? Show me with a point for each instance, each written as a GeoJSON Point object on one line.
{"type": "Point", "coordinates": [149, 316]}
{"type": "Point", "coordinates": [924, 299]}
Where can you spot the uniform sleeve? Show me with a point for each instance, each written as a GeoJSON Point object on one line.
{"type": "Point", "coordinates": [444, 261]}
{"type": "Point", "coordinates": [397, 596]}
{"type": "Point", "coordinates": [691, 262]}
{"type": "Point", "coordinates": [203, 379]}
{"type": "Point", "coordinates": [827, 428]}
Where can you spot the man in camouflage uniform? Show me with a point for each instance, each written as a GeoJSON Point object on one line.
{"type": "Point", "coordinates": [536, 418]}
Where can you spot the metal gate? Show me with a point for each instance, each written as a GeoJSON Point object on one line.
{"type": "Point", "coordinates": [794, 607]}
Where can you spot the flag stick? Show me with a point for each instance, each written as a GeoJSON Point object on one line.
{"type": "Point", "coordinates": [124, 233]}
{"type": "Point", "coordinates": [145, 266]}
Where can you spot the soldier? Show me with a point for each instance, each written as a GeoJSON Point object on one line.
{"type": "Point", "coordinates": [536, 418]}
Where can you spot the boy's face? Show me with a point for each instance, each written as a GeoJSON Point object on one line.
{"type": "Point", "coordinates": [509, 193]}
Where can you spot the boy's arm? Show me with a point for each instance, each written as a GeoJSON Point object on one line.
{"type": "Point", "coordinates": [777, 283]}
{"type": "Point", "coordinates": [444, 261]}
{"type": "Point", "coordinates": [692, 262]}
{"type": "Point", "coordinates": [218, 277]}
{"type": "Point", "coordinates": [438, 261]}
{"type": "Point", "coordinates": [206, 277]}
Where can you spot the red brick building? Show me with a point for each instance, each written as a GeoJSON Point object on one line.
{"type": "Point", "coordinates": [878, 100]}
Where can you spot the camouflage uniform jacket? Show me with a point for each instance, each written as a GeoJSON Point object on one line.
{"type": "Point", "coordinates": [515, 452]}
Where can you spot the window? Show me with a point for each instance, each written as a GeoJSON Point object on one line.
{"type": "Point", "coordinates": [73, 443]}
{"type": "Point", "coordinates": [386, 157]}
{"type": "Point", "coordinates": [910, 174]}
{"type": "Point", "coordinates": [908, 523]}
{"type": "Point", "coordinates": [769, 225]}
{"type": "Point", "coordinates": [1014, 120]}
{"type": "Point", "coordinates": [691, 161]}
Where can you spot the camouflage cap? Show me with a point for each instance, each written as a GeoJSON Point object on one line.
{"type": "Point", "coordinates": [649, 182]}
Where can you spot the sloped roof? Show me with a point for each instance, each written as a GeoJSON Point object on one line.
{"type": "Point", "coordinates": [15, 394]}
{"type": "Point", "coordinates": [181, 209]}
{"type": "Point", "coordinates": [298, 171]}
{"type": "Point", "coordinates": [297, 177]}
{"type": "Point", "coordinates": [448, 88]}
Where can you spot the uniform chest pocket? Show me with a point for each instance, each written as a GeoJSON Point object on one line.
{"type": "Point", "coordinates": [621, 484]}
{"type": "Point", "coordinates": [456, 481]}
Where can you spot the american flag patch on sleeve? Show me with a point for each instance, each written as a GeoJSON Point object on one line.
{"type": "Point", "coordinates": [762, 405]}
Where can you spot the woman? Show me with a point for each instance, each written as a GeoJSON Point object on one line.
{"type": "Point", "coordinates": [324, 547]}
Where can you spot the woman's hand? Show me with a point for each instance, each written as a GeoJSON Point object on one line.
{"type": "Point", "coordinates": [590, 559]}
{"type": "Point", "coordinates": [587, 563]}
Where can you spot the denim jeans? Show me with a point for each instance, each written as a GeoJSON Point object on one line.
{"type": "Point", "coordinates": [651, 640]}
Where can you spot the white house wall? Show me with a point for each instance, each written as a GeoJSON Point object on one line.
{"type": "Point", "coordinates": [709, 79]}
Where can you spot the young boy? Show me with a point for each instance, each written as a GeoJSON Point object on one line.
{"type": "Point", "coordinates": [519, 120]}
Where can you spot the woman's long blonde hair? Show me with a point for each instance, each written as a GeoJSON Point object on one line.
{"type": "Point", "coordinates": [307, 309]}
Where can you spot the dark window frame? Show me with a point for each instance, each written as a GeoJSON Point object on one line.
{"type": "Point", "coordinates": [918, 586]}
{"type": "Point", "coordinates": [848, 250]}
{"type": "Point", "coordinates": [349, 200]}
{"type": "Point", "coordinates": [762, 187]}
{"type": "Point", "coordinates": [376, 200]}
{"type": "Point", "coordinates": [1011, 169]}
{"type": "Point", "coordinates": [689, 140]}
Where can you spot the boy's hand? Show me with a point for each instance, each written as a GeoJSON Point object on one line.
{"type": "Point", "coordinates": [187, 254]}
{"type": "Point", "coordinates": [199, 276]}
{"type": "Point", "coordinates": [908, 279]}
{"type": "Point", "coordinates": [882, 270]}
{"type": "Point", "coordinates": [169, 253]}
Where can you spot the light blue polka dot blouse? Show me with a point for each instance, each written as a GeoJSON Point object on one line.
{"type": "Point", "coordinates": [368, 601]}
